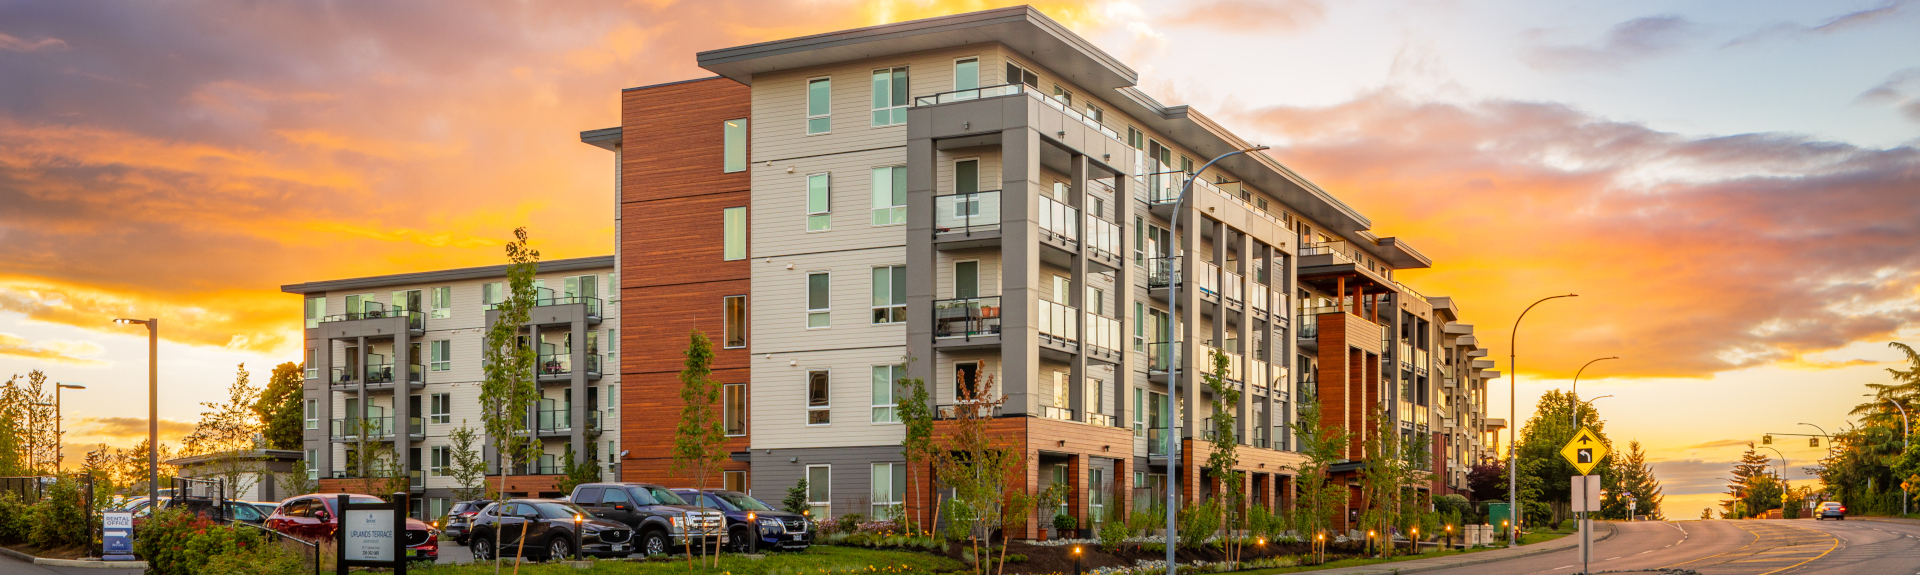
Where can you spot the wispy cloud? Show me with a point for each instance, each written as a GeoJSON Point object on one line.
{"type": "Point", "coordinates": [1628, 41]}
{"type": "Point", "coordinates": [1901, 91]}
{"type": "Point", "coordinates": [68, 352]}
{"type": "Point", "coordinates": [1831, 25]}
{"type": "Point", "coordinates": [1265, 17]}
{"type": "Point", "coordinates": [126, 428]}
{"type": "Point", "coordinates": [16, 44]}
{"type": "Point", "coordinates": [1720, 443]}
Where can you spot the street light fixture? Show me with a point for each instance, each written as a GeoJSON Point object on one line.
{"type": "Point", "coordinates": [1513, 423]}
{"type": "Point", "coordinates": [1173, 377]}
{"type": "Point", "coordinates": [1576, 385]}
{"type": "Point", "coordinates": [153, 404]}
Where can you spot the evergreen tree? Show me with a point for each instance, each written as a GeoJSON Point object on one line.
{"type": "Point", "coordinates": [1749, 475]}
{"type": "Point", "coordinates": [1635, 478]}
{"type": "Point", "coordinates": [279, 407]}
{"type": "Point", "coordinates": [796, 499]}
{"type": "Point", "coordinates": [1906, 392]}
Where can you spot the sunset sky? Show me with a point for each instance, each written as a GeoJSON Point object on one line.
{"type": "Point", "coordinates": [1733, 188]}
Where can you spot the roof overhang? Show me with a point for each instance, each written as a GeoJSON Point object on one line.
{"type": "Point", "coordinates": [1442, 303]}
{"type": "Point", "coordinates": [1489, 374]}
{"type": "Point", "coordinates": [482, 272]}
{"type": "Point", "coordinates": [607, 138]}
{"type": "Point", "coordinates": [1398, 254]}
{"type": "Point", "coordinates": [1021, 28]}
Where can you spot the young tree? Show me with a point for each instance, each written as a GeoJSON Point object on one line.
{"type": "Point", "coordinates": [279, 407]}
{"type": "Point", "coordinates": [1224, 454]}
{"type": "Point", "coordinates": [30, 407]}
{"type": "Point", "coordinates": [507, 395]}
{"type": "Point", "coordinates": [1318, 499]}
{"type": "Point", "coordinates": [796, 499]}
{"type": "Point", "coordinates": [978, 464]}
{"type": "Point", "coordinates": [297, 481]}
{"type": "Point", "coordinates": [469, 468]}
{"type": "Point", "coordinates": [579, 470]}
{"type": "Point", "coordinates": [916, 444]}
{"type": "Point", "coordinates": [229, 434]}
{"type": "Point", "coordinates": [1636, 479]}
{"type": "Point", "coordinates": [699, 445]}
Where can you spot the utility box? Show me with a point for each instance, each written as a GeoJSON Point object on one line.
{"type": "Point", "coordinates": [1497, 513]}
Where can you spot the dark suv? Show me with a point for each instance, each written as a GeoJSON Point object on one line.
{"type": "Point", "coordinates": [458, 521]}
{"type": "Point", "coordinates": [544, 529]}
{"type": "Point", "coordinates": [778, 529]}
{"type": "Point", "coordinates": [661, 520]}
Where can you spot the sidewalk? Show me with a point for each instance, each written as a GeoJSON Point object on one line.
{"type": "Point", "coordinates": [1475, 558]}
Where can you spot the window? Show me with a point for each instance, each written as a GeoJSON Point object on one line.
{"type": "Point", "coordinates": [966, 280]}
{"type": "Point", "coordinates": [442, 406]}
{"type": "Point", "coordinates": [889, 489]}
{"type": "Point", "coordinates": [313, 363]}
{"type": "Point", "coordinates": [407, 300]}
{"type": "Point", "coordinates": [1139, 414]}
{"type": "Point", "coordinates": [1062, 290]}
{"type": "Point", "coordinates": [437, 507]}
{"type": "Point", "coordinates": [440, 299]}
{"type": "Point", "coordinates": [313, 414]}
{"type": "Point", "coordinates": [1060, 478]}
{"type": "Point", "coordinates": [890, 294]}
{"type": "Point", "coordinates": [442, 355]}
{"type": "Point", "coordinates": [1018, 75]}
{"type": "Point", "coordinates": [966, 381]}
{"type": "Point", "coordinates": [316, 308]}
{"type": "Point", "coordinates": [1096, 300]}
{"type": "Point", "coordinates": [313, 465]}
{"type": "Point", "coordinates": [966, 180]}
{"type": "Point", "coordinates": [733, 226]}
{"type": "Point", "coordinates": [818, 404]}
{"type": "Point", "coordinates": [734, 146]}
{"type": "Point", "coordinates": [889, 195]}
{"type": "Point", "coordinates": [733, 409]}
{"type": "Point", "coordinates": [1139, 327]}
{"type": "Point", "coordinates": [819, 106]}
{"type": "Point", "coordinates": [587, 286]}
{"type": "Point", "coordinates": [1096, 113]}
{"type": "Point", "coordinates": [885, 406]}
{"type": "Point", "coordinates": [1096, 496]}
{"type": "Point", "coordinates": [966, 74]}
{"type": "Point", "coordinates": [819, 304]}
{"type": "Point", "coordinates": [889, 96]}
{"type": "Point", "coordinates": [819, 203]}
{"type": "Point", "coordinates": [734, 331]}
{"type": "Point", "coordinates": [439, 459]}
{"type": "Point", "coordinates": [1063, 95]}
{"type": "Point", "coordinates": [493, 294]}
{"type": "Point", "coordinates": [819, 491]}
{"type": "Point", "coordinates": [613, 346]}
{"type": "Point", "coordinates": [734, 480]}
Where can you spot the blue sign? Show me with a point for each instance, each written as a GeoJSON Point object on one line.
{"type": "Point", "coordinates": [117, 536]}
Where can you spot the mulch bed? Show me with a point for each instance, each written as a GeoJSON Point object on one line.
{"type": "Point", "coordinates": [1044, 559]}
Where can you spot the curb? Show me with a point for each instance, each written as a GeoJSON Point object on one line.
{"type": "Point", "coordinates": [141, 565]}
{"type": "Point", "coordinates": [1387, 567]}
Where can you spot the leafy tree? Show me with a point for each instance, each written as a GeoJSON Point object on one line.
{"type": "Point", "coordinates": [1545, 434]}
{"type": "Point", "coordinates": [130, 465]}
{"type": "Point", "coordinates": [29, 408]}
{"type": "Point", "coordinates": [1386, 479]}
{"type": "Point", "coordinates": [469, 469]}
{"type": "Point", "coordinates": [1318, 499]}
{"type": "Point", "coordinates": [1224, 455]}
{"type": "Point", "coordinates": [796, 499]}
{"type": "Point", "coordinates": [585, 470]}
{"type": "Point", "coordinates": [1636, 479]}
{"type": "Point", "coordinates": [978, 464]}
{"type": "Point", "coordinates": [297, 481]}
{"type": "Point", "coordinates": [507, 395]}
{"type": "Point", "coordinates": [916, 443]}
{"type": "Point", "coordinates": [1753, 484]}
{"type": "Point", "coordinates": [279, 408]}
{"type": "Point", "coordinates": [699, 445]}
{"type": "Point", "coordinates": [229, 433]}
{"type": "Point", "coordinates": [1488, 481]}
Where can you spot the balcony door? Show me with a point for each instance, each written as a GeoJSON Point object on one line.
{"type": "Point", "coordinates": [966, 378]}
{"type": "Point", "coordinates": [966, 177]}
{"type": "Point", "coordinates": [409, 300]}
{"type": "Point", "coordinates": [966, 279]}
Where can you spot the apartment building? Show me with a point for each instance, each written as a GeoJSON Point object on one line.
{"type": "Point", "coordinates": [1462, 403]}
{"type": "Point", "coordinates": [397, 360]}
{"type": "Point", "coordinates": [986, 202]}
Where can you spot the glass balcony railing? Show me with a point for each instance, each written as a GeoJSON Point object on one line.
{"type": "Point", "coordinates": [1164, 187]}
{"type": "Point", "coordinates": [1162, 272]}
{"type": "Point", "coordinates": [972, 94]}
{"type": "Point", "coordinates": [1230, 287]}
{"type": "Point", "coordinates": [1233, 374]}
{"type": "Point", "coordinates": [592, 303]}
{"type": "Point", "coordinates": [1157, 441]}
{"type": "Point", "coordinates": [966, 317]}
{"type": "Point", "coordinates": [1307, 328]}
{"type": "Point", "coordinates": [1100, 419]}
{"type": "Point", "coordinates": [1209, 282]}
{"type": "Point", "coordinates": [555, 364]}
{"type": "Point", "coordinates": [355, 427]}
{"type": "Point", "coordinates": [1053, 412]}
{"type": "Point", "coordinates": [1420, 362]}
{"type": "Point", "coordinates": [1103, 332]}
{"type": "Point", "coordinates": [1406, 354]}
{"type": "Point", "coordinates": [966, 409]}
{"type": "Point", "coordinates": [553, 420]}
{"type": "Point", "coordinates": [966, 213]}
{"type": "Point", "coordinates": [1162, 356]}
{"type": "Point", "coordinates": [1059, 221]}
{"type": "Point", "coordinates": [1059, 322]}
{"type": "Point", "coordinates": [1103, 237]}
{"type": "Point", "coordinates": [1258, 297]}
{"type": "Point", "coordinates": [415, 318]}
{"type": "Point", "coordinates": [1066, 108]}
{"type": "Point", "coordinates": [1257, 373]}
{"type": "Point", "coordinates": [378, 373]}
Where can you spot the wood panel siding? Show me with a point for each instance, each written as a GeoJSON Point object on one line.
{"type": "Point", "coordinates": [673, 278]}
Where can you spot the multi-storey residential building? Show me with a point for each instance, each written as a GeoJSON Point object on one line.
{"type": "Point", "coordinates": [1462, 399]}
{"type": "Point", "coordinates": [986, 201]}
{"type": "Point", "coordinates": [397, 360]}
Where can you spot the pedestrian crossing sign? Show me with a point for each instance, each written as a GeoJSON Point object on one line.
{"type": "Point", "coordinates": [1584, 451]}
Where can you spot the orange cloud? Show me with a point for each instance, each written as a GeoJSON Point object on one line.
{"type": "Point", "coordinates": [1264, 17]}
{"type": "Point", "coordinates": [57, 351]}
{"type": "Point", "coordinates": [126, 428]}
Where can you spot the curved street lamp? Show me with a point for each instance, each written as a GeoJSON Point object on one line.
{"type": "Point", "coordinates": [1576, 385]}
{"type": "Point", "coordinates": [1906, 431]}
{"type": "Point", "coordinates": [1513, 414]}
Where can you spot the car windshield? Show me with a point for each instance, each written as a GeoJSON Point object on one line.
{"type": "Point", "coordinates": [554, 510]}
{"type": "Point", "coordinates": [744, 502]}
{"type": "Point", "coordinates": [665, 497]}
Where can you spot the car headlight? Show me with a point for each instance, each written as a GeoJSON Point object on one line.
{"type": "Point", "coordinates": [678, 522]}
{"type": "Point", "coordinates": [774, 523]}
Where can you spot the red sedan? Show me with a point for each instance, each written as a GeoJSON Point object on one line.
{"type": "Point", "coordinates": [313, 518]}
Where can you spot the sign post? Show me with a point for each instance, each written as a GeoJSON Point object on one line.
{"type": "Point", "coordinates": [372, 534]}
{"type": "Point", "coordinates": [116, 536]}
{"type": "Point", "coordinates": [1585, 451]}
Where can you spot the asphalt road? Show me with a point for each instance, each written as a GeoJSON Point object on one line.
{"type": "Point", "coordinates": [1735, 548]}
{"type": "Point", "coordinates": [11, 566]}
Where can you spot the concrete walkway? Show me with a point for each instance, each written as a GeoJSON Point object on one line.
{"type": "Point", "coordinates": [1602, 531]}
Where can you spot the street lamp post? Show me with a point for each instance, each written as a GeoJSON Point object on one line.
{"type": "Point", "coordinates": [1906, 431]}
{"type": "Point", "coordinates": [59, 437]}
{"type": "Point", "coordinates": [1513, 414]}
{"type": "Point", "coordinates": [1173, 378]}
{"type": "Point", "coordinates": [1576, 386]}
{"type": "Point", "coordinates": [153, 405]}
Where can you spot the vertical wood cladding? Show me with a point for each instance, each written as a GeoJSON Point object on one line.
{"type": "Point", "coordinates": [672, 277]}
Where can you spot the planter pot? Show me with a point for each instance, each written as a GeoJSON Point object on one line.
{"type": "Point", "coordinates": [1043, 533]}
{"type": "Point", "coordinates": [1085, 534]}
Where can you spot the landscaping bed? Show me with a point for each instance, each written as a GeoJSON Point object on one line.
{"type": "Point", "coordinates": [61, 552]}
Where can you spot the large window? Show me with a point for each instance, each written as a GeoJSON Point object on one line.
{"type": "Point", "coordinates": [442, 405]}
{"type": "Point", "coordinates": [889, 96]}
{"type": "Point", "coordinates": [819, 106]}
{"type": "Point", "coordinates": [733, 409]}
{"type": "Point", "coordinates": [889, 195]}
{"type": "Point", "coordinates": [966, 279]}
{"type": "Point", "coordinates": [1139, 412]}
{"type": "Point", "coordinates": [1019, 75]}
{"type": "Point", "coordinates": [735, 329]}
{"type": "Point", "coordinates": [819, 202]}
{"type": "Point", "coordinates": [820, 491]}
{"type": "Point", "coordinates": [440, 299]}
{"type": "Point", "coordinates": [440, 458]}
{"type": "Point", "coordinates": [316, 309]}
{"type": "Point", "coordinates": [733, 234]}
{"type": "Point", "coordinates": [889, 490]}
{"type": "Point", "coordinates": [313, 414]}
{"type": "Point", "coordinates": [819, 300]}
{"type": "Point", "coordinates": [890, 294]}
{"type": "Point", "coordinates": [1139, 327]}
{"type": "Point", "coordinates": [492, 294]}
{"type": "Point", "coordinates": [313, 363]}
{"type": "Point", "coordinates": [885, 405]}
{"type": "Point", "coordinates": [819, 404]}
{"type": "Point", "coordinates": [734, 150]}
{"type": "Point", "coordinates": [966, 74]}
{"type": "Point", "coordinates": [442, 355]}
{"type": "Point", "coordinates": [966, 180]}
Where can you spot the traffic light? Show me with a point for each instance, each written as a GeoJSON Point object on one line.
{"type": "Point", "coordinates": [1766, 440]}
{"type": "Point", "coordinates": [1813, 442]}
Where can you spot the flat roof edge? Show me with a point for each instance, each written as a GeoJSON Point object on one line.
{"type": "Point", "coordinates": [442, 275]}
{"type": "Point", "coordinates": [673, 83]}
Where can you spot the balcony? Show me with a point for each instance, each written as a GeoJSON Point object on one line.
{"type": "Point", "coordinates": [972, 94]}
{"type": "Point", "coordinates": [592, 304]}
{"type": "Point", "coordinates": [1209, 282]}
{"type": "Point", "coordinates": [1104, 242]}
{"type": "Point", "coordinates": [1259, 375]}
{"type": "Point", "coordinates": [355, 428]}
{"type": "Point", "coordinates": [1233, 374]}
{"type": "Point", "coordinates": [1231, 287]}
{"type": "Point", "coordinates": [553, 422]}
{"type": "Point", "coordinates": [1162, 356]}
{"type": "Point", "coordinates": [415, 320]}
{"type": "Point", "coordinates": [1059, 225]}
{"type": "Point", "coordinates": [1060, 413]}
{"type": "Point", "coordinates": [969, 220]}
{"type": "Point", "coordinates": [1420, 361]}
{"type": "Point", "coordinates": [967, 320]}
{"type": "Point", "coordinates": [1103, 338]}
{"type": "Point", "coordinates": [1059, 324]}
{"type": "Point", "coordinates": [1157, 442]}
{"type": "Point", "coordinates": [1100, 419]}
{"type": "Point", "coordinates": [1404, 352]}
{"type": "Point", "coordinates": [953, 411]}
{"type": "Point", "coordinates": [1162, 272]}
{"type": "Point", "coordinates": [1163, 188]}
{"type": "Point", "coordinates": [1260, 297]}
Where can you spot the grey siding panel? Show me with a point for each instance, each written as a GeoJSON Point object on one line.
{"type": "Point", "coordinates": [776, 472]}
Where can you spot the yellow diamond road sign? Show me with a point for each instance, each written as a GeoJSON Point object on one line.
{"type": "Point", "coordinates": [1584, 451]}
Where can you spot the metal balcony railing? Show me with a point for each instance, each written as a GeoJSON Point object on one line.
{"type": "Point", "coordinates": [1162, 272]}
{"type": "Point", "coordinates": [966, 317]}
{"type": "Point", "coordinates": [1059, 322]}
{"type": "Point", "coordinates": [1162, 356]}
{"type": "Point", "coordinates": [958, 410]}
{"type": "Point", "coordinates": [355, 427]}
{"type": "Point", "coordinates": [1059, 221]}
{"type": "Point", "coordinates": [967, 213]}
{"type": "Point", "coordinates": [415, 318]}
{"type": "Point", "coordinates": [555, 364]}
{"type": "Point", "coordinates": [378, 373]}
{"type": "Point", "coordinates": [1103, 332]}
{"type": "Point", "coordinates": [1060, 413]}
{"type": "Point", "coordinates": [592, 303]}
{"type": "Point", "coordinates": [1164, 187]}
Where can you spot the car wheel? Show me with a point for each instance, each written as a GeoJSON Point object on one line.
{"type": "Point", "coordinates": [482, 548]}
{"type": "Point", "coordinates": [653, 543]}
{"type": "Point", "coordinates": [559, 549]}
{"type": "Point", "coordinates": [737, 540]}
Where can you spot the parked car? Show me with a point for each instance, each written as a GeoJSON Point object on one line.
{"type": "Point", "coordinates": [544, 529]}
{"type": "Point", "coordinates": [661, 520]}
{"type": "Point", "coordinates": [253, 512]}
{"type": "Point", "coordinates": [778, 529]}
{"type": "Point", "coordinates": [458, 521]}
{"type": "Point", "coordinates": [314, 518]}
{"type": "Point", "coordinates": [1831, 509]}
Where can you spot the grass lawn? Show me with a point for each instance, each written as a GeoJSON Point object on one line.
{"type": "Point", "coordinates": [816, 560]}
{"type": "Point", "coordinates": [1357, 562]}
{"type": "Point", "coordinates": [1532, 537]}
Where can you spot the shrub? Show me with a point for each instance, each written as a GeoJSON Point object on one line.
{"type": "Point", "coordinates": [1453, 502]}
{"type": "Point", "coordinates": [1197, 523]}
{"type": "Point", "coordinates": [16, 519]}
{"type": "Point", "coordinates": [849, 523]}
{"type": "Point", "coordinates": [176, 542]}
{"type": "Point", "coordinates": [60, 518]}
{"type": "Point", "coordinates": [266, 558]}
{"type": "Point", "coordinates": [1113, 534]}
{"type": "Point", "coordinates": [1064, 522]}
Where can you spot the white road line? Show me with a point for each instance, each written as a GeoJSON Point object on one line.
{"type": "Point", "coordinates": [1609, 558]}
{"type": "Point", "coordinates": [1559, 568]}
